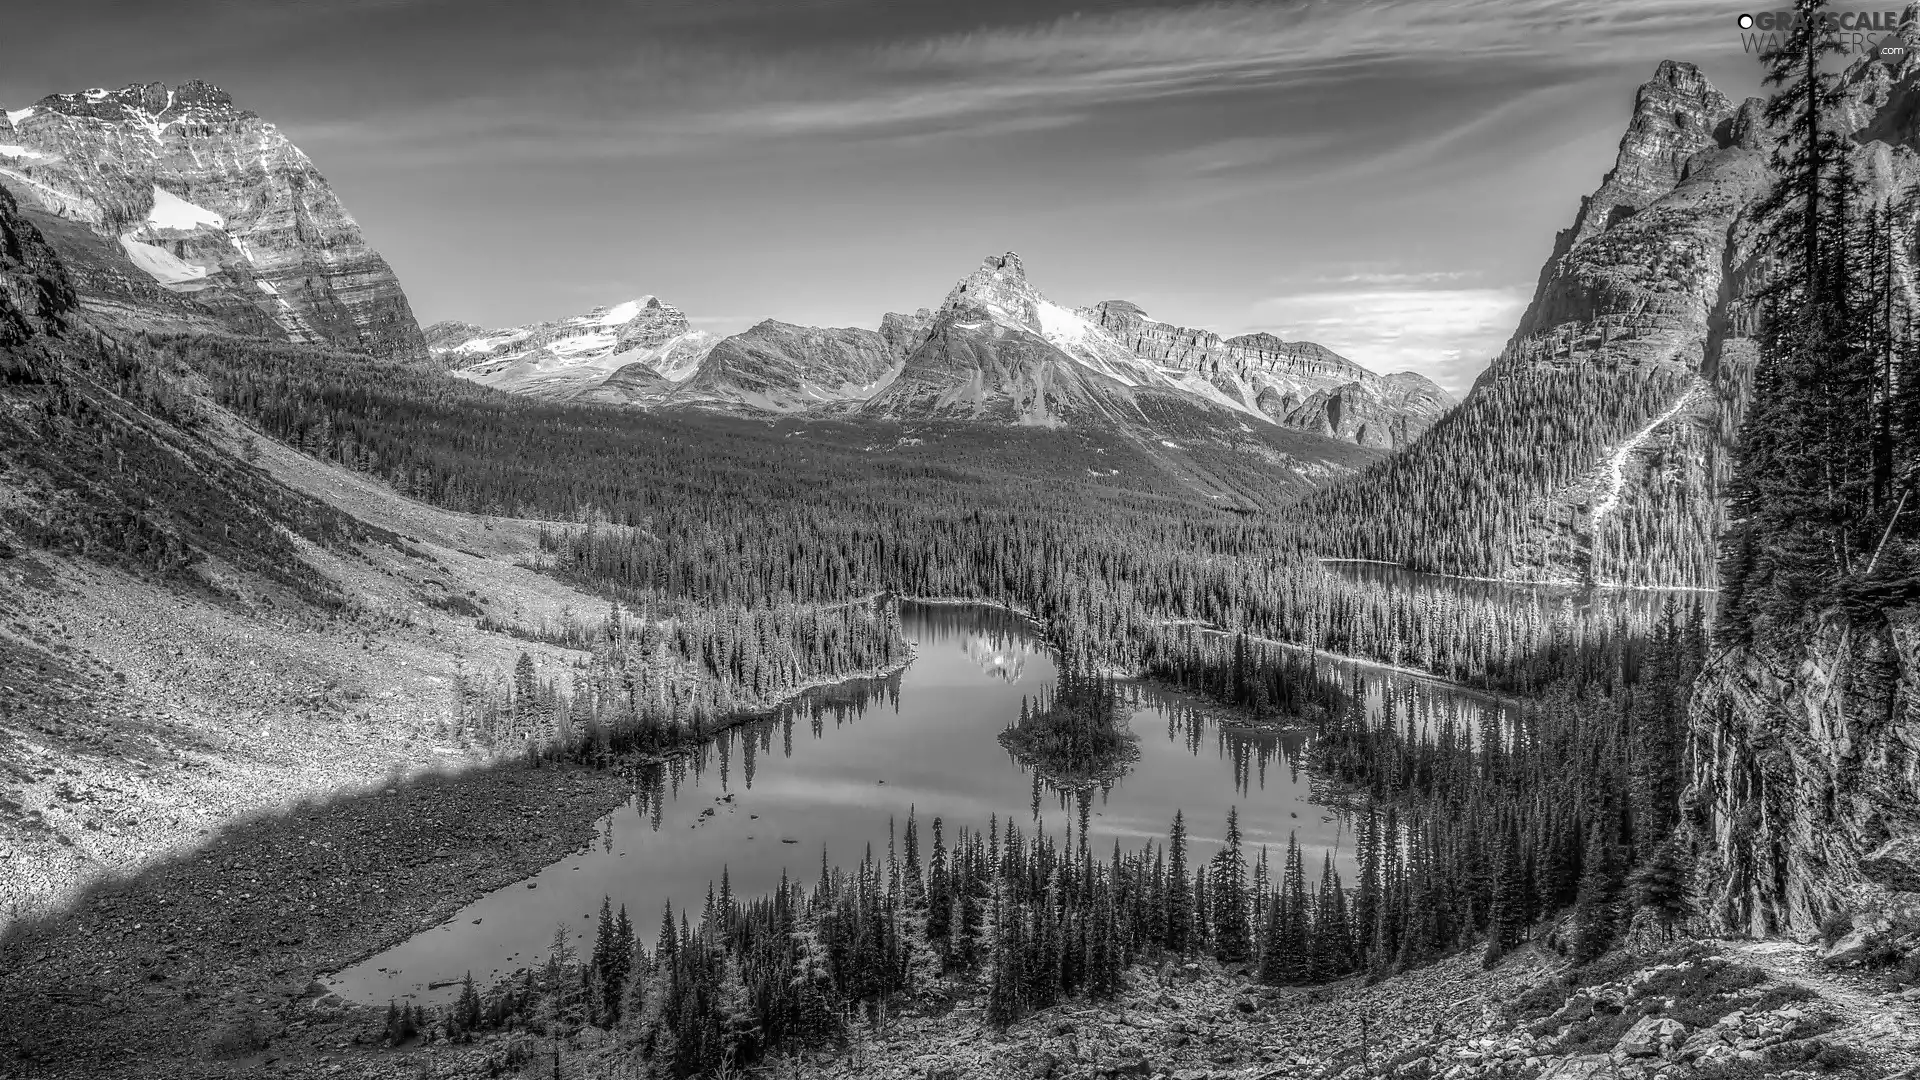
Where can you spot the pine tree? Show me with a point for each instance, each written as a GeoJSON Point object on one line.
{"type": "Point", "coordinates": [1294, 927]}
{"type": "Point", "coordinates": [1233, 937]}
{"type": "Point", "coordinates": [1595, 912]}
{"type": "Point", "coordinates": [915, 883]}
{"type": "Point", "coordinates": [1801, 492]}
{"type": "Point", "coordinates": [1179, 921]}
{"type": "Point", "coordinates": [1510, 902]}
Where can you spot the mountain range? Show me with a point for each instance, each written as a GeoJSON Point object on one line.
{"type": "Point", "coordinates": [241, 494]}
{"type": "Point", "coordinates": [995, 349]}
{"type": "Point", "coordinates": [175, 209]}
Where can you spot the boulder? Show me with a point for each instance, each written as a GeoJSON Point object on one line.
{"type": "Point", "coordinates": [1582, 1067]}
{"type": "Point", "coordinates": [1651, 1036]}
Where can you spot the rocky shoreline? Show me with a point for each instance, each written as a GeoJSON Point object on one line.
{"type": "Point", "coordinates": [210, 960]}
{"type": "Point", "coordinates": [206, 964]}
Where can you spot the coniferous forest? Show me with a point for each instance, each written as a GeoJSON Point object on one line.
{"type": "Point", "coordinates": [1470, 839]}
{"type": "Point", "coordinates": [743, 561]}
{"type": "Point", "coordinates": [1075, 735]}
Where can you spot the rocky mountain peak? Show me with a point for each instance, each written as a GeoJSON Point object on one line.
{"type": "Point", "coordinates": [143, 102]}
{"type": "Point", "coordinates": [1676, 114]}
{"type": "Point", "coordinates": [1000, 289]}
{"type": "Point", "coordinates": [182, 210]}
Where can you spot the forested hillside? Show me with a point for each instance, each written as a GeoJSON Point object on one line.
{"type": "Point", "coordinates": [705, 510]}
{"type": "Point", "coordinates": [1596, 448]}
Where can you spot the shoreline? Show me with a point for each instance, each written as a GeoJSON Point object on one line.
{"type": "Point", "coordinates": [1536, 583]}
{"type": "Point", "coordinates": [238, 935]}
{"type": "Point", "coordinates": [1381, 665]}
{"type": "Point", "coordinates": [743, 717]}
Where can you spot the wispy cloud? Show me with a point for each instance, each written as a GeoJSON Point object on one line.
{"type": "Point", "coordinates": [1391, 277]}
{"type": "Point", "coordinates": [672, 96]}
{"type": "Point", "coordinates": [1447, 335]}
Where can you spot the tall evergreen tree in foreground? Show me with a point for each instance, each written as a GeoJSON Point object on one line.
{"type": "Point", "coordinates": [1808, 494]}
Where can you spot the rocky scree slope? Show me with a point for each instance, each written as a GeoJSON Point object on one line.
{"type": "Point", "coordinates": [173, 207]}
{"type": "Point", "coordinates": [198, 624]}
{"type": "Point", "coordinates": [1710, 1010]}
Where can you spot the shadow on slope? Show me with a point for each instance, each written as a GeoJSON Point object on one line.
{"type": "Point", "coordinates": [210, 954]}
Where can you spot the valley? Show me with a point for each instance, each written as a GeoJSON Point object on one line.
{"type": "Point", "coordinates": [1011, 689]}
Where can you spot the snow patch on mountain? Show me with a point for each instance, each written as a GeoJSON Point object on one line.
{"type": "Point", "coordinates": [170, 211]}
{"type": "Point", "coordinates": [12, 151]}
{"type": "Point", "coordinates": [162, 265]}
{"type": "Point", "coordinates": [14, 116]}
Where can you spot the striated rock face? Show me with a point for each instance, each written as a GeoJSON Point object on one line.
{"type": "Point", "coordinates": [35, 295]}
{"type": "Point", "coordinates": [1297, 384]}
{"type": "Point", "coordinates": [442, 337]}
{"type": "Point", "coordinates": [1805, 795]}
{"type": "Point", "coordinates": [904, 333]}
{"type": "Point", "coordinates": [215, 215]}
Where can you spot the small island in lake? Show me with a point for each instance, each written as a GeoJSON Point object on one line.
{"type": "Point", "coordinates": [1075, 736]}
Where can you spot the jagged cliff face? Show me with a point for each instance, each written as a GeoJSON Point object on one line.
{"type": "Point", "coordinates": [1297, 384]}
{"type": "Point", "coordinates": [175, 207]}
{"type": "Point", "coordinates": [996, 346]}
{"type": "Point", "coordinates": [995, 349]}
{"type": "Point", "coordinates": [36, 296]}
{"type": "Point", "coordinates": [1642, 310]}
{"type": "Point", "coordinates": [1660, 273]}
{"type": "Point", "coordinates": [1805, 795]}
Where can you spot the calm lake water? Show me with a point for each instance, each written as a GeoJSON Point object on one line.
{"type": "Point", "coordinates": [832, 770]}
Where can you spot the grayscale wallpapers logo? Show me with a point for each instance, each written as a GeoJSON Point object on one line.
{"type": "Point", "coordinates": [1873, 32]}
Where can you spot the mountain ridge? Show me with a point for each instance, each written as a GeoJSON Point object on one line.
{"type": "Point", "coordinates": [178, 208]}
{"type": "Point", "coordinates": [1299, 385]}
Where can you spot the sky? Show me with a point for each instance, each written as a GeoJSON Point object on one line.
{"type": "Point", "coordinates": [1384, 177]}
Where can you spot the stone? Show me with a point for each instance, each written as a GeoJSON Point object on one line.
{"type": "Point", "coordinates": [1581, 1067]}
{"type": "Point", "coordinates": [1651, 1036]}
{"type": "Point", "coordinates": [189, 212]}
{"type": "Point", "coordinates": [1894, 864]}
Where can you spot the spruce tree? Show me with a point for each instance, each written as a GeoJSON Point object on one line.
{"type": "Point", "coordinates": [1232, 936]}
{"type": "Point", "coordinates": [1179, 922]}
{"type": "Point", "coordinates": [1596, 912]}
{"type": "Point", "coordinates": [1801, 493]}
